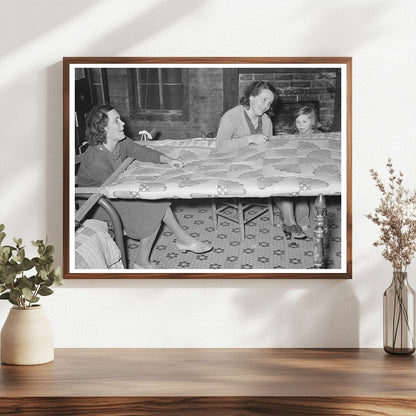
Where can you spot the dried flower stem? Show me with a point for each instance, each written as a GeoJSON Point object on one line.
{"type": "Point", "coordinates": [396, 216]}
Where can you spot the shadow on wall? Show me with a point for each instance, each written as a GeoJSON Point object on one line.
{"type": "Point", "coordinates": [289, 313]}
{"type": "Point", "coordinates": [301, 314]}
{"type": "Point", "coordinates": [41, 16]}
{"type": "Point", "coordinates": [138, 28]}
{"type": "Point", "coordinates": [349, 23]}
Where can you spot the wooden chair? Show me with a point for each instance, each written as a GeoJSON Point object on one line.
{"type": "Point", "coordinates": [114, 221]}
{"type": "Point", "coordinates": [89, 201]}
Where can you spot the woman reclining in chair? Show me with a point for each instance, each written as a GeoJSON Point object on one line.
{"type": "Point", "coordinates": [108, 148]}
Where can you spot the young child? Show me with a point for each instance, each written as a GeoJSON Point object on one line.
{"type": "Point", "coordinates": [306, 121]}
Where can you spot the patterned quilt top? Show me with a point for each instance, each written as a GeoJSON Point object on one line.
{"type": "Point", "coordinates": [287, 165]}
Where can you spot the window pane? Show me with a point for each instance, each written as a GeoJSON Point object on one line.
{"type": "Point", "coordinates": [148, 75]}
{"type": "Point", "coordinates": [149, 95]}
{"type": "Point", "coordinates": [172, 97]}
{"type": "Point", "coordinates": [171, 75]}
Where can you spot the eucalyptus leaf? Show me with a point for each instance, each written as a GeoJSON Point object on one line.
{"type": "Point", "coordinates": [43, 275]}
{"type": "Point", "coordinates": [45, 291]}
{"type": "Point", "coordinates": [48, 282]}
{"type": "Point", "coordinates": [37, 280]}
{"type": "Point", "coordinates": [21, 255]}
{"type": "Point", "coordinates": [5, 253]}
{"type": "Point", "coordinates": [13, 302]}
{"type": "Point", "coordinates": [27, 293]}
{"type": "Point", "coordinates": [8, 277]}
{"type": "Point", "coordinates": [49, 250]}
{"type": "Point", "coordinates": [15, 294]}
{"type": "Point", "coordinates": [24, 282]}
{"type": "Point", "coordinates": [5, 249]}
{"type": "Point", "coordinates": [4, 258]}
{"type": "Point", "coordinates": [14, 268]}
{"type": "Point", "coordinates": [26, 264]}
{"type": "Point", "coordinates": [58, 276]}
{"type": "Point", "coordinates": [47, 259]}
{"type": "Point", "coordinates": [18, 242]}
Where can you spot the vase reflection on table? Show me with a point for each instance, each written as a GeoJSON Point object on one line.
{"type": "Point", "coordinates": [399, 316]}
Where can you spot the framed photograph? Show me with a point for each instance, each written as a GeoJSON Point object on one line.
{"type": "Point", "coordinates": [207, 168]}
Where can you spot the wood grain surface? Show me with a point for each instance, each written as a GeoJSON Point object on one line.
{"type": "Point", "coordinates": [212, 382]}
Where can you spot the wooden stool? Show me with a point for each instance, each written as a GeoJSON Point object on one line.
{"type": "Point", "coordinates": [240, 206]}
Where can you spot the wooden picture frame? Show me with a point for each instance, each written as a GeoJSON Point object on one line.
{"type": "Point", "coordinates": [183, 99]}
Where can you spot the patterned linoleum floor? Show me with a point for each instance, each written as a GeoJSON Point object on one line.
{"type": "Point", "coordinates": [264, 246]}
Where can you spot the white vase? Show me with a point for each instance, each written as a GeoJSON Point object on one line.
{"type": "Point", "coordinates": [27, 337]}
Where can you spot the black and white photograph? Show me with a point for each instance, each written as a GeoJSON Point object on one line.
{"type": "Point", "coordinates": [207, 167]}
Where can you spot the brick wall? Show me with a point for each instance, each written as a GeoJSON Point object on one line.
{"type": "Point", "coordinates": [297, 87]}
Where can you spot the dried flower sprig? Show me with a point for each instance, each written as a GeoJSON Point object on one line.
{"type": "Point", "coordinates": [396, 216]}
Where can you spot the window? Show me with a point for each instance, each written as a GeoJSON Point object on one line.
{"type": "Point", "coordinates": [160, 91]}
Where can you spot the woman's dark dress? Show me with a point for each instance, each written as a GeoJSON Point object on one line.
{"type": "Point", "coordinates": [140, 217]}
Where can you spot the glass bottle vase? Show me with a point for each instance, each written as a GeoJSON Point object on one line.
{"type": "Point", "coordinates": [399, 316]}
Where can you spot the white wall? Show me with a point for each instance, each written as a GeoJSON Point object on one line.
{"type": "Point", "coordinates": [380, 36]}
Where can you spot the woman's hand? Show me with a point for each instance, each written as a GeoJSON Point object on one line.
{"type": "Point", "coordinates": [173, 163]}
{"type": "Point", "coordinates": [257, 139]}
{"type": "Point", "coordinates": [176, 164]}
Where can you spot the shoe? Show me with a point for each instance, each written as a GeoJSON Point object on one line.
{"type": "Point", "coordinates": [196, 247]}
{"type": "Point", "coordinates": [298, 233]}
{"type": "Point", "coordinates": [287, 231]}
{"type": "Point", "coordinates": [293, 230]}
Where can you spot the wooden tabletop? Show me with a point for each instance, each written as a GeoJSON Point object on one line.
{"type": "Point", "coordinates": [231, 381]}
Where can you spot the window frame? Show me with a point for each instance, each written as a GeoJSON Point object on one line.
{"type": "Point", "coordinates": [156, 114]}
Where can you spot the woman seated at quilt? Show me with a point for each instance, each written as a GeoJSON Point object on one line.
{"type": "Point", "coordinates": [107, 150]}
{"type": "Point", "coordinates": [248, 124]}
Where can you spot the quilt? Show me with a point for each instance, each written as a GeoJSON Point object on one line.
{"type": "Point", "coordinates": [287, 165]}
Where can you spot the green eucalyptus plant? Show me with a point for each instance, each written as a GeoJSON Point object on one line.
{"type": "Point", "coordinates": [15, 285]}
